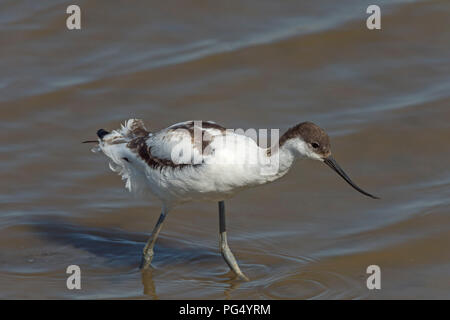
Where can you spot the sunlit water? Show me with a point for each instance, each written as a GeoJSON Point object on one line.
{"type": "Point", "coordinates": [382, 95]}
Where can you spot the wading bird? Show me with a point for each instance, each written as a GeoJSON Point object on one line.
{"type": "Point", "coordinates": [202, 161]}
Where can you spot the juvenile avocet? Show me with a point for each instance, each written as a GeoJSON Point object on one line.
{"type": "Point", "coordinates": [192, 161]}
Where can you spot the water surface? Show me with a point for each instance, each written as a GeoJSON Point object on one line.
{"type": "Point", "coordinates": [382, 95]}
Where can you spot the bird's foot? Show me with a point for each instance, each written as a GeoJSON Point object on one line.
{"type": "Point", "coordinates": [242, 276]}
{"type": "Point", "coordinates": [231, 261]}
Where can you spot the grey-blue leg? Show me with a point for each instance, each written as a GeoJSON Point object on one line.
{"type": "Point", "coordinates": [148, 249]}
{"type": "Point", "coordinates": [224, 249]}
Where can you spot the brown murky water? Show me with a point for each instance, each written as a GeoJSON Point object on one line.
{"type": "Point", "coordinates": [384, 97]}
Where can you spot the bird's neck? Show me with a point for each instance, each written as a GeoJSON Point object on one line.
{"type": "Point", "coordinates": [279, 160]}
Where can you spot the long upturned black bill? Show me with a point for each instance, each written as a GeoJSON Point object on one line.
{"type": "Point", "coordinates": [334, 165]}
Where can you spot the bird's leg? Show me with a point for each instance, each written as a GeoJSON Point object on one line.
{"type": "Point", "coordinates": [148, 249]}
{"type": "Point", "coordinates": [224, 249]}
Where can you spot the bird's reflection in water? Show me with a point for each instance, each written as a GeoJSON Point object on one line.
{"type": "Point", "coordinates": [230, 285]}
{"type": "Point", "coordinates": [149, 285]}
{"type": "Point", "coordinates": [233, 284]}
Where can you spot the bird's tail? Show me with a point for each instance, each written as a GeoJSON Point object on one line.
{"type": "Point", "coordinates": [131, 129]}
{"type": "Point", "coordinates": [123, 161]}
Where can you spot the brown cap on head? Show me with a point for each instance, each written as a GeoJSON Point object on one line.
{"type": "Point", "coordinates": [320, 144]}
{"type": "Point", "coordinates": [310, 133]}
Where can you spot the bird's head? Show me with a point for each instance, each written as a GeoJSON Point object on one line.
{"type": "Point", "coordinates": [308, 141]}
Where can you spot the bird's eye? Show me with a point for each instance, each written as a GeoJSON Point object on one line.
{"type": "Point", "coordinates": [315, 145]}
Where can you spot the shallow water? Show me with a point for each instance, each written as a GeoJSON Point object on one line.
{"type": "Point", "coordinates": [382, 95]}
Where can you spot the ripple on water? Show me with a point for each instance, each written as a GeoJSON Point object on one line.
{"type": "Point", "coordinates": [312, 285]}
